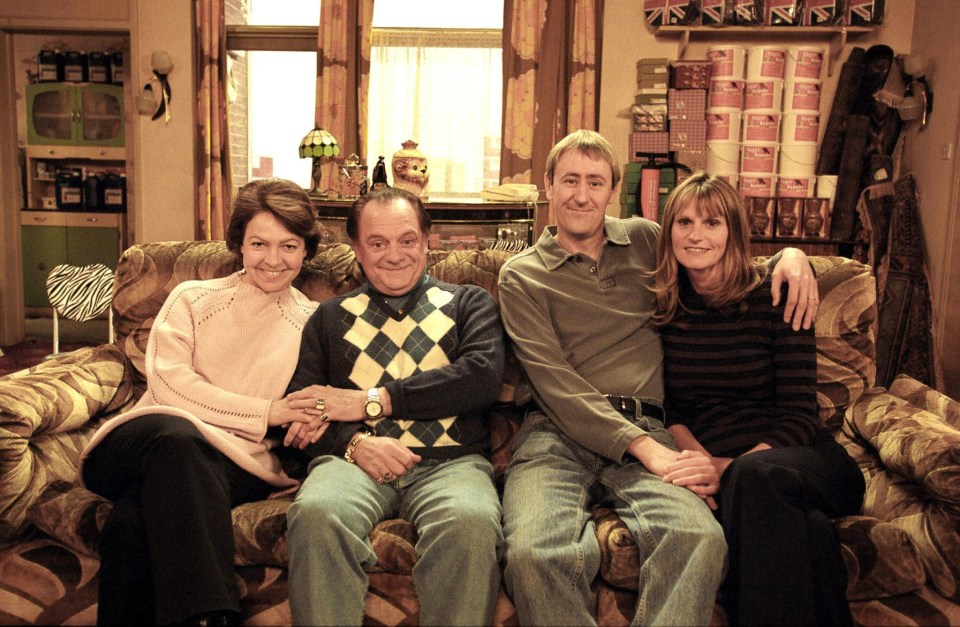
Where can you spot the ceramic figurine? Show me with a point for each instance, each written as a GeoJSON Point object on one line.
{"type": "Point", "coordinates": [410, 171]}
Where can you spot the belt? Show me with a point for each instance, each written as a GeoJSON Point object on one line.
{"type": "Point", "coordinates": [634, 406]}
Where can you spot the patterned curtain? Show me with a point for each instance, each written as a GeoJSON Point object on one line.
{"type": "Point", "coordinates": [343, 75]}
{"type": "Point", "coordinates": [551, 73]}
{"type": "Point", "coordinates": [213, 191]}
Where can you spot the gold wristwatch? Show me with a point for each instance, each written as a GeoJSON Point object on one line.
{"type": "Point", "coordinates": [354, 441]}
{"type": "Point", "coordinates": [373, 408]}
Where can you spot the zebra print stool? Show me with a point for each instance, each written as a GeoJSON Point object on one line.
{"type": "Point", "coordinates": [79, 293]}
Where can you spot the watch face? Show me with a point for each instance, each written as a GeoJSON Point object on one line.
{"type": "Point", "coordinates": [373, 408]}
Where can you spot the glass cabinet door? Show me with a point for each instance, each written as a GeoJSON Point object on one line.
{"type": "Point", "coordinates": [100, 115]}
{"type": "Point", "coordinates": [50, 112]}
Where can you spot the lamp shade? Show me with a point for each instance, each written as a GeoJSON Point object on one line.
{"type": "Point", "coordinates": [319, 143]}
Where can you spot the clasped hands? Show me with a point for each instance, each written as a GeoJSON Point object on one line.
{"type": "Point", "coordinates": [313, 409]}
{"type": "Point", "coordinates": [698, 472]}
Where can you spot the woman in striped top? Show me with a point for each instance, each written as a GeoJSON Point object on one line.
{"type": "Point", "coordinates": [740, 389]}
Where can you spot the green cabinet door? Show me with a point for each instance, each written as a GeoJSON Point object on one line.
{"type": "Point", "coordinates": [43, 248]}
{"type": "Point", "coordinates": [86, 245]}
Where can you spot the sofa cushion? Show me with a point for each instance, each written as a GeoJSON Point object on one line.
{"type": "Point", "coordinates": [919, 490]}
{"type": "Point", "coordinates": [45, 422]}
{"type": "Point", "coordinates": [845, 327]}
{"type": "Point", "coordinates": [880, 558]}
{"type": "Point", "coordinates": [71, 514]}
{"type": "Point", "coordinates": [925, 397]}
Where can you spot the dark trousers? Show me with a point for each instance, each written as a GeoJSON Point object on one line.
{"type": "Point", "coordinates": [775, 509]}
{"type": "Point", "coordinates": [166, 550]}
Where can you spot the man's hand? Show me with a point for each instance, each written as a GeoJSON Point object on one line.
{"type": "Point", "coordinates": [384, 457]}
{"type": "Point", "coordinates": [328, 403]}
{"type": "Point", "coordinates": [803, 297]}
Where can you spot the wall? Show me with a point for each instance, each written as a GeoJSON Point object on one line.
{"type": "Point", "coordinates": [164, 152]}
{"type": "Point", "coordinates": [931, 155]}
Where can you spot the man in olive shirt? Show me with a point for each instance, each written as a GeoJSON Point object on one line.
{"type": "Point", "coordinates": [578, 306]}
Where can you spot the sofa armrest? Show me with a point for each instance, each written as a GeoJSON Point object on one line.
{"type": "Point", "coordinates": [915, 484]}
{"type": "Point", "coordinates": [47, 416]}
{"type": "Point", "coordinates": [912, 442]}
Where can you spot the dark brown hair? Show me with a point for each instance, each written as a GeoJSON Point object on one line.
{"type": "Point", "coordinates": [284, 200]}
{"type": "Point", "coordinates": [387, 196]}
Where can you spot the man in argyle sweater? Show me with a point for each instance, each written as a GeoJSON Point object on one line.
{"type": "Point", "coordinates": [400, 373]}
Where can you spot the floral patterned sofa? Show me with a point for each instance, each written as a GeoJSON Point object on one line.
{"type": "Point", "coordinates": [902, 553]}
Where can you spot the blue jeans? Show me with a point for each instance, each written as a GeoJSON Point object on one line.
{"type": "Point", "coordinates": [453, 505]}
{"type": "Point", "coordinates": [552, 552]}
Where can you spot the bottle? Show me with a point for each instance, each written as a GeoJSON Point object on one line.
{"type": "Point", "coordinates": [47, 66]}
{"type": "Point", "coordinates": [379, 175]}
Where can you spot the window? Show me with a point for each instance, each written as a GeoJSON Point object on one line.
{"type": "Point", "coordinates": [435, 77]}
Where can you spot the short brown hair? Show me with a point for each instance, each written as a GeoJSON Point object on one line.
{"type": "Point", "coordinates": [386, 196]}
{"type": "Point", "coordinates": [284, 200]}
{"type": "Point", "coordinates": [713, 196]}
{"type": "Point", "coordinates": [589, 143]}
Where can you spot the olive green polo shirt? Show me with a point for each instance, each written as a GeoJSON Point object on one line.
{"type": "Point", "coordinates": [581, 328]}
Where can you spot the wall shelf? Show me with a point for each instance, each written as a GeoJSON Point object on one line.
{"type": "Point", "coordinates": [836, 36]}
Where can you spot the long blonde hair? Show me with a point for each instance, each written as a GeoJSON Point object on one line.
{"type": "Point", "coordinates": [716, 198]}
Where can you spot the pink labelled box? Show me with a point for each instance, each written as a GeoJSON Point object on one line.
{"type": "Point", "coordinates": [796, 187]}
{"type": "Point", "coordinates": [728, 62]}
{"type": "Point", "coordinates": [648, 143]}
{"type": "Point", "coordinates": [803, 63]}
{"type": "Point", "coordinates": [760, 215]}
{"type": "Point", "coordinates": [759, 158]}
{"type": "Point", "coordinates": [760, 126]}
{"type": "Point", "coordinates": [688, 134]}
{"type": "Point", "coordinates": [816, 218]}
{"type": "Point", "coordinates": [800, 128]}
{"type": "Point", "coordinates": [757, 184]}
{"type": "Point", "coordinates": [765, 62]}
{"type": "Point", "coordinates": [686, 104]}
{"type": "Point", "coordinates": [723, 125]}
{"type": "Point", "coordinates": [802, 96]}
{"type": "Point", "coordinates": [691, 74]}
{"type": "Point", "coordinates": [764, 94]}
{"type": "Point", "coordinates": [725, 93]}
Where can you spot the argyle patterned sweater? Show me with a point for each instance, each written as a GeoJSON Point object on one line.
{"type": "Point", "coordinates": [440, 356]}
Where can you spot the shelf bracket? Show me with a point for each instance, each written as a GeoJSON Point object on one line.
{"type": "Point", "coordinates": [837, 44]}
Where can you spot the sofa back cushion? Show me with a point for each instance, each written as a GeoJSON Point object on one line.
{"type": "Point", "coordinates": [846, 335]}
{"type": "Point", "coordinates": [147, 273]}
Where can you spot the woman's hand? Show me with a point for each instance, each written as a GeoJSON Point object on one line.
{"type": "Point", "coordinates": [697, 472]}
{"type": "Point", "coordinates": [282, 413]}
{"type": "Point", "coordinates": [301, 434]}
{"type": "Point", "coordinates": [803, 296]}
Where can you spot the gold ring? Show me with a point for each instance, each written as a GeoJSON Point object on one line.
{"type": "Point", "coordinates": [386, 477]}
{"type": "Point", "coordinates": [320, 404]}
{"type": "Point", "coordinates": [811, 298]}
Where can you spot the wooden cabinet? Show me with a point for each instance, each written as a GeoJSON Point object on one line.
{"type": "Point", "coordinates": [51, 238]}
{"type": "Point", "coordinates": [67, 114]}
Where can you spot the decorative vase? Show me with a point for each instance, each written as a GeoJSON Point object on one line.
{"type": "Point", "coordinates": [410, 171]}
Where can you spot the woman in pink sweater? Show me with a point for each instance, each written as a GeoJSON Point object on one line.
{"type": "Point", "coordinates": [218, 361]}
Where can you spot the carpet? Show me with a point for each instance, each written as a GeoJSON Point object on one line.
{"type": "Point", "coordinates": [31, 352]}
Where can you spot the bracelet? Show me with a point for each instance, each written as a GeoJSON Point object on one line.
{"type": "Point", "coordinates": [354, 441]}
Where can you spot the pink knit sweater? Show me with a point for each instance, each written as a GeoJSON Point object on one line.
{"type": "Point", "coordinates": [219, 352]}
